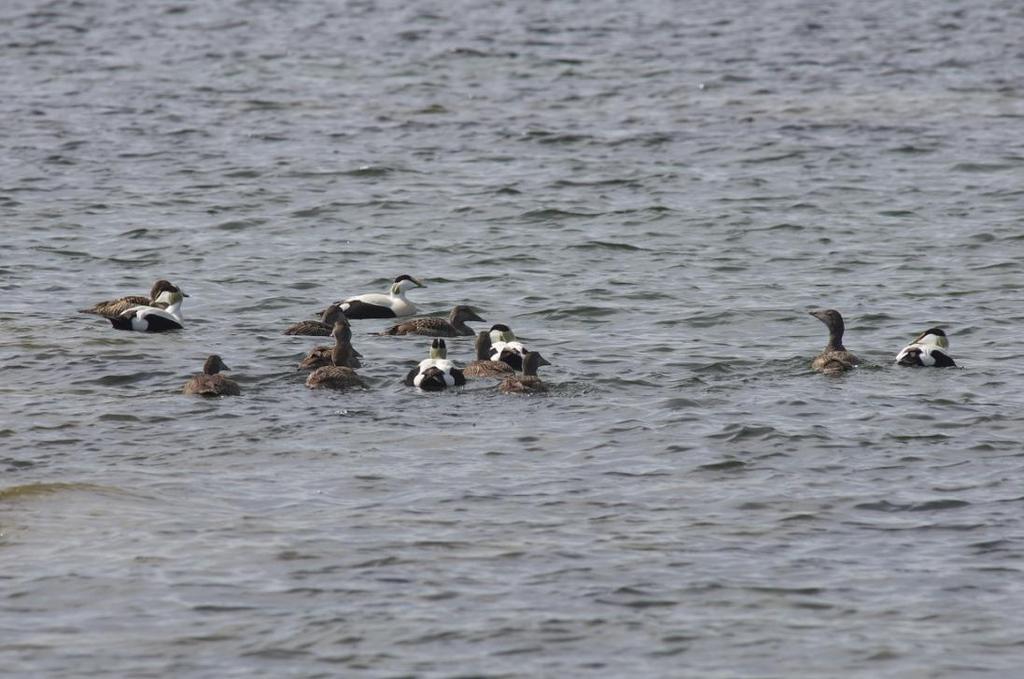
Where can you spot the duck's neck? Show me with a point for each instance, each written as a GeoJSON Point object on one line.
{"type": "Point", "coordinates": [342, 354]}
{"type": "Point", "coordinates": [174, 309]}
{"type": "Point", "coordinates": [483, 347]}
{"type": "Point", "coordinates": [835, 340]}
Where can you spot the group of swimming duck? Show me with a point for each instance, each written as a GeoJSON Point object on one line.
{"type": "Point", "coordinates": [929, 349]}
{"type": "Point", "coordinates": [498, 353]}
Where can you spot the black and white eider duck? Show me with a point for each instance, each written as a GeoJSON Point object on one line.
{"type": "Point", "coordinates": [152, 318]}
{"type": "Point", "coordinates": [505, 347]}
{"type": "Point", "coordinates": [483, 366]}
{"type": "Point", "coordinates": [930, 348]}
{"type": "Point", "coordinates": [527, 382]}
{"type": "Point", "coordinates": [339, 375]}
{"type": "Point", "coordinates": [341, 353]}
{"type": "Point", "coordinates": [437, 372]}
{"type": "Point", "coordinates": [834, 359]}
{"type": "Point", "coordinates": [379, 305]}
{"type": "Point", "coordinates": [116, 307]}
{"type": "Point", "coordinates": [210, 382]}
{"type": "Point", "coordinates": [453, 326]}
{"type": "Point", "coordinates": [321, 328]}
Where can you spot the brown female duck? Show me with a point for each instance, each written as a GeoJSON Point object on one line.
{"type": "Point", "coordinates": [526, 382]}
{"type": "Point", "coordinates": [453, 326]}
{"type": "Point", "coordinates": [484, 366]}
{"type": "Point", "coordinates": [210, 382]}
{"type": "Point", "coordinates": [835, 358]}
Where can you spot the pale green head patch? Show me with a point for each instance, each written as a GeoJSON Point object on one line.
{"type": "Point", "coordinates": [934, 336]}
{"type": "Point", "coordinates": [438, 349]}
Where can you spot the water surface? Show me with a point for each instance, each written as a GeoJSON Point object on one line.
{"type": "Point", "coordinates": [653, 195]}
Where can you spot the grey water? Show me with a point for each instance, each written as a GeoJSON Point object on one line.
{"type": "Point", "coordinates": [653, 194]}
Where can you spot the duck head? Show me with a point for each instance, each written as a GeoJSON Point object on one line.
{"type": "Point", "coordinates": [934, 336]}
{"type": "Point", "coordinates": [332, 314]}
{"type": "Point", "coordinates": [462, 313]}
{"type": "Point", "coordinates": [834, 320]}
{"type": "Point", "coordinates": [483, 345]}
{"type": "Point", "coordinates": [169, 297]}
{"type": "Point", "coordinates": [438, 349]}
{"type": "Point", "coordinates": [501, 333]}
{"type": "Point", "coordinates": [161, 286]}
{"type": "Point", "coordinates": [532, 360]}
{"type": "Point", "coordinates": [173, 298]}
{"type": "Point", "coordinates": [342, 331]}
{"type": "Point", "coordinates": [214, 364]}
{"type": "Point", "coordinates": [405, 282]}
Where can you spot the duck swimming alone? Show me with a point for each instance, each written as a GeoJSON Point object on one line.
{"type": "Point", "coordinates": [339, 375]}
{"type": "Point", "coordinates": [834, 359]}
{"type": "Point", "coordinates": [505, 347]}
{"type": "Point", "coordinates": [341, 353]}
{"type": "Point", "coordinates": [321, 328]}
{"type": "Point", "coordinates": [527, 382]}
{"type": "Point", "coordinates": [116, 307]}
{"type": "Point", "coordinates": [930, 349]}
{"type": "Point", "coordinates": [453, 326]}
{"type": "Point", "coordinates": [483, 366]}
{"type": "Point", "coordinates": [437, 372]}
{"type": "Point", "coordinates": [152, 318]}
{"type": "Point", "coordinates": [378, 305]}
{"type": "Point", "coordinates": [210, 382]}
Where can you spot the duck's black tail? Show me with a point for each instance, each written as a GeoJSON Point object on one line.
{"type": "Point", "coordinates": [120, 322]}
{"type": "Point", "coordinates": [433, 380]}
